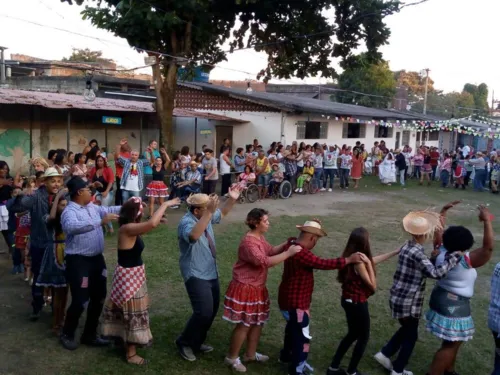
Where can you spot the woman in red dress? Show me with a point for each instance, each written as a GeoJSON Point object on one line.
{"type": "Point", "coordinates": [246, 302]}
{"type": "Point", "coordinates": [357, 167]}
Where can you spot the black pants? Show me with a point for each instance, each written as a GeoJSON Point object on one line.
{"type": "Point", "coordinates": [8, 236]}
{"type": "Point", "coordinates": [204, 296]}
{"type": "Point", "coordinates": [226, 183]}
{"type": "Point", "coordinates": [86, 277]}
{"type": "Point", "coordinates": [296, 345]}
{"type": "Point", "coordinates": [36, 254]}
{"type": "Point", "coordinates": [496, 370]}
{"type": "Point", "coordinates": [467, 178]}
{"type": "Point", "coordinates": [209, 186]}
{"type": "Point", "coordinates": [434, 169]}
{"type": "Point", "coordinates": [118, 194]}
{"type": "Point", "coordinates": [404, 341]}
{"type": "Point", "coordinates": [344, 177]}
{"type": "Point", "coordinates": [358, 324]}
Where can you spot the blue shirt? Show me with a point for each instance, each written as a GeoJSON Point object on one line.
{"type": "Point", "coordinates": [127, 164]}
{"type": "Point", "coordinates": [494, 310]}
{"type": "Point", "coordinates": [196, 175]}
{"type": "Point", "coordinates": [83, 230]}
{"type": "Point", "coordinates": [196, 259]}
{"type": "Point", "coordinates": [147, 156]}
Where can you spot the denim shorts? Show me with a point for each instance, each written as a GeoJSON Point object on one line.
{"type": "Point", "coordinates": [263, 180]}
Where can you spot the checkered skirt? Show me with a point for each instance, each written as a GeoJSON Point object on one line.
{"type": "Point", "coordinates": [157, 189]}
{"type": "Point", "coordinates": [247, 304]}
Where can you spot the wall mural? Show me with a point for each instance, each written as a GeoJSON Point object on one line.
{"type": "Point", "coordinates": [15, 145]}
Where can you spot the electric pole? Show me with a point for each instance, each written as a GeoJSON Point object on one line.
{"type": "Point", "coordinates": [2, 64]}
{"type": "Point", "coordinates": [426, 87]}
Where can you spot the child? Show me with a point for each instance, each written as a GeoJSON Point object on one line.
{"type": "Point", "coordinates": [244, 179]}
{"type": "Point", "coordinates": [459, 174]}
{"type": "Point", "coordinates": [276, 177]}
{"type": "Point", "coordinates": [306, 176]}
{"type": "Point", "coordinates": [52, 269]}
{"type": "Point", "coordinates": [359, 282]}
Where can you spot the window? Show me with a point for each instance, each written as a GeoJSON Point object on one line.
{"type": "Point", "coordinates": [382, 132]}
{"type": "Point", "coordinates": [406, 137]}
{"type": "Point", "coordinates": [433, 136]}
{"type": "Point", "coordinates": [354, 130]}
{"type": "Point", "coordinates": [312, 130]}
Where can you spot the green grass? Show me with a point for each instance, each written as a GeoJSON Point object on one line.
{"type": "Point", "coordinates": [29, 348]}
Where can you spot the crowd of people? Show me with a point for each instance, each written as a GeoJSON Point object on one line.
{"type": "Point", "coordinates": [54, 225]}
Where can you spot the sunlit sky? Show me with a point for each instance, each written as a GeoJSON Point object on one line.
{"type": "Point", "coordinates": [455, 39]}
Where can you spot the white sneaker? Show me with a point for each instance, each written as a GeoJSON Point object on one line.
{"type": "Point", "coordinates": [297, 190]}
{"type": "Point", "coordinates": [329, 190]}
{"type": "Point", "coordinates": [258, 358]}
{"type": "Point", "coordinates": [300, 190]}
{"type": "Point", "coordinates": [322, 189]}
{"type": "Point", "coordinates": [384, 361]}
{"type": "Point", "coordinates": [235, 364]}
{"type": "Point", "coordinates": [405, 372]}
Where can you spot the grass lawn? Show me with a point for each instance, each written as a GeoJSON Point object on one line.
{"type": "Point", "coordinates": [29, 348]}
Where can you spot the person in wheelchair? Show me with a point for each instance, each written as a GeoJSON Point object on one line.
{"type": "Point", "coordinates": [306, 176]}
{"type": "Point", "coordinates": [192, 182]}
{"type": "Point", "coordinates": [277, 178]}
{"type": "Point", "coordinates": [244, 179]}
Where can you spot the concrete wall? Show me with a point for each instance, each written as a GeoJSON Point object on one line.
{"type": "Point", "coordinates": [185, 130]}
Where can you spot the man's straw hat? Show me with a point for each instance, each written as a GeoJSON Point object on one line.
{"type": "Point", "coordinates": [313, 227]}
{"type": "Point", "coordinates": [51, 172]}
{"type": "Point", "coordinates": [198, 200]}
{"type": "Point", "coordinates": [422, 223]}
{"type": "Point", "coordinates": [193, 163]}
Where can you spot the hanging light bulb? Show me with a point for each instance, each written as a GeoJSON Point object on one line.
{"type": "Point", "coordinates": [88, 93]}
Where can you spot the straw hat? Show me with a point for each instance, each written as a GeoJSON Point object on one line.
{"type": "Point", "coordinates": [198, 200]}
{"type": "Point", "coordinates": [397, 151]}
{"type": "Point", "coordinates": [422, 223]}
{"type": "Point", "coordinates": [51, 172]}
{"type": "Point", "coordinates": [193, 163]}
{"type": "Point", "coordinates": [285, 153]}
{"type": "Point", "coordinates": [313, 227]}
{"type": "Point", "coordinates": [275, 165]}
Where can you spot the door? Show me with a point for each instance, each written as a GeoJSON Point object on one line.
{"type": "Point", "coordinates": [398, 139]}
{"type": "Point", "coordinates": [223, 132]}
{"type": "Point", "coordinates": [406, 138]}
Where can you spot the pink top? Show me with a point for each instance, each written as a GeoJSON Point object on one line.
{"type": "Point", "coordinates": [446, 166]}
{"type": "Point", "coordinates": [80, 171]}
{"type": "Point", "coordinates": [418, 160]}
{"type": "Point", "coordinates": [247, 177]}
{"type": "Point", "coordinates": [253, 261]}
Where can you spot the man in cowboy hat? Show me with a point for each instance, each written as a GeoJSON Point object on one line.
{"type": "Point", "coordinates": [199, 268]}
{"type": "Point", "coordinates": [295, 293]}
{"type": "Point", "coordinates": [38, 205]}
{"type": "Point", "coordinates": [192, 182]}
{"type": "Point", "coordinates": [407, 292]}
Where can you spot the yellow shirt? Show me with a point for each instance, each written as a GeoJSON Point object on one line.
{"type": "Point", "coordinates": [260, 164]}
{"type": "Point", "coordinates": [309, 171]}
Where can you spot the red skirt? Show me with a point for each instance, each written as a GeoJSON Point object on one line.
{"type": "Point", "coordinates": [247, 304]}
{"type": "Point", "coordinates": [157, 189]}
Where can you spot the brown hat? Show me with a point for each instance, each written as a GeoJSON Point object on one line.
{"type": "Point", "coordinates": [422, 223]}
{"type": "Point", "coordinates": [313, 227]}
{"type": "Point", "coordinates": [198, 200]}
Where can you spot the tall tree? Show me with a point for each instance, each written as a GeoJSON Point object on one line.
{"type": "Point", "coordinates": [480, 95]}
{"type": "Point", "coordinates": [414, 82]}
{"type": "Point", "coordinates": [86, 55]}
{"type": "Point", "coordinates": [194, 32]}
{"type": "Point", "coordinates": [364, 76]}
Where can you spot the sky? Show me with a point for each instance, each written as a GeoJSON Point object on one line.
{"type": "Point", "coordinates": [455, 39]}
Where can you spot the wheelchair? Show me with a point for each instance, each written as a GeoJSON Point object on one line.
{"type": "Point", "coordinates": [250, 194]}
{"type": "Point", "coordinates": [312, 186]}
{"type": "Point", "coordinates": [283, 190]}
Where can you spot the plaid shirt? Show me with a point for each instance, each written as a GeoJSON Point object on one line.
{"type": "Point", "coordinates": [407, 292]}
{"type": "Point", "coordinates": [127, 165]}
{"type": "Point", "coordinates": [494, 310]}
{"type": "Point", "coordinates": [290, 166]}
{"type": "Point", "coordinates": [297, 283]}
{"type": "Point", "coordinates": [354, 288]}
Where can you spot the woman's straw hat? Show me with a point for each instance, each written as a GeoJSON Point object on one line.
{"type": "Point", "coordinates": [198, 200]}
{"type": "Point", "coordinates": [313, 227]}
{"type": "Point", "coordinates": [422, 223]}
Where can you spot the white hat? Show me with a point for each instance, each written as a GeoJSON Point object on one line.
{"type": "Point", "coordinates": [313, 227]}
{"type": "Point", "coordinates": [51, 172]}
{"type": "Point", "coordinates": [422, 223]}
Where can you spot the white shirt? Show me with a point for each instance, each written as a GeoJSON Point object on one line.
{"type": "Point", "coordinates": [331, 159]}
{"type": "Point", "coordinates": [318, 162]}
{"type": "Point", "coordinates": [465, 150]}
{"type": "Point", "coordinates": [132, 183]}
{"type": "Point", "coordinates": [225, 168]}
{"type": "Point", "coordinates": [460, 279]}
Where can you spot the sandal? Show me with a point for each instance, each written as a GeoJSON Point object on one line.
{"type": "Point", "coordinates": [142, 361]}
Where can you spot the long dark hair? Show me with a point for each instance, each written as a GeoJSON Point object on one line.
{"type": "Point", "coordinates": [358, 242]}
{"type": "Point", "coordinates": [129, 213]}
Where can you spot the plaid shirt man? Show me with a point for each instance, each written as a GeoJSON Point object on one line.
{"type": "Point", "coordinates": [494, 310]}
{"type": "Point", "coordinates": [290, 166]}
{"type": "Point", "coordinates": [297, 284]}
{"type": "Point", "coordinates": [407, 292]}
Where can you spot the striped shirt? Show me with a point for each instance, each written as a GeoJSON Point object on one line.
{"type": "Point", "coordinates": [83, 230]}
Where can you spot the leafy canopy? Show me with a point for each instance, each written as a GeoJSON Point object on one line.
{"type": "Point", "coordinates": [86, 55]}
{"type": "Point", "coordinates": [296, 34]}
{"type": "Point", "coordinates": [365, 76]}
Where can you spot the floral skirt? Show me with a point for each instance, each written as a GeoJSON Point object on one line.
{"type": "Point", "coordinates": [157, 189]}
{"type": "Point", "coordinates": [52, 268]}
{"type": "Point", "coordinates": [246, 304]}
{"type": "Point", "coordinates": [128, 323]}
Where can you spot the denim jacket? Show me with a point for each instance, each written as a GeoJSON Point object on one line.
{"type": "Point", "coordinates": [127, 164]}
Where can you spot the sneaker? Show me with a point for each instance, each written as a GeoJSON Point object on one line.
{"type": "Point", "coordinates": [297, 190]}
{"type": "Point", "coordinates": [322, 189]}
{"type": "Point", "coordinates": [338, 371]}
{"type": "Point", "coordinates": [300, 190]}
{"type": "Point", "coordinates": [329, 190]}
{"type": "Point", "coordinates": [258, 358]}
{"type": "Point", "coordinates": [383, 361]}
{"type": "Point", "coordinates": [405, 372]}
{"type": "Point", "coordinates": [206, 348]}
{"type": "Point", "coordinates": [68, 342]}
{"type": "Point", "coordinates": [185, 352]}
{"type": "Point", "coordinates": [235, 364]}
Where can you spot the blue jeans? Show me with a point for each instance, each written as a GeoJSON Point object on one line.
{"type": "Point", "coordinates": [344, 177]}
{"type": "Point", "coordinates": [263, 180]}
{"type": "Point", "coordinates": [329, 174]}
{"type": "Point", "coordinates": [496, 370]}
{"type": "Point", "coordinates": [479, 179]}
{"type": "Point", "coordinates": [434, 168]}
{"type": "Point", "coordinates": [417, 171]}
{"type": "Point", "coordinates": [445, 178]}
{"type": "Point", "coordinates": [318, 173]}
{"type": "Point", "coordinates": [126, 194]}
{"type": "Point", "coordinates": [190, 189]}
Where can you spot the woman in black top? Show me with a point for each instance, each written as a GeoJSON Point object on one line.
{"type": "Point", "coordinates": [5, 194]}
{"type": "Point", "coordinates": [157, 189]}
{"type": "Point", "coordinates": [125, 315]}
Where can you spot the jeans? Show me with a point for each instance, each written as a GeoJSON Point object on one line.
{"type": "Point", "coordinates": [496, 369]}
{"type": "Point", "coordinates": [318, 174]}
{"type": "Point", "coordinates": [402, 175]}
{"type": "Point", "coordinates": [296, 343]}
{"type": "Point", "coordinates": [418, 174]}
{"type": "Point", "coordinates": [226, 183]}
{"type": "Point", "coordinates": [479, 179]}
{"type": "Point", "coordinates": [434, 168]}
{"type": "Point", "coordinates": [344, 177]}
{"type": "Point", "coordinates": [8, 236]}
{"type": "Point", "coordinates": [127, 194]}
{"type": "Point", "coordinates": [358, 325]}
{"type": "Point", "coordinates": [209, 186]}
{"type": "Point", "coordinates": [86, 277]}
{"type": "Point", "coordinates": [263, 179]}
{"type": "Point", "coordinates": [204, 296]}
{"type": "Point", "coordinates": [186, 191]}
{"type": "Point", "coordinates": [17, 257]}
{"type": "Point", "coordinates": [36, 291]}
{"type": "Point", "coordinates": [445, 178]}
{"type": "Point", "coordinates": [329, 173]}
{"type": "Point", "coordinates": [404, 341]}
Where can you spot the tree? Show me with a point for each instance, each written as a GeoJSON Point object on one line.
{"type": "Point", "coordinates": [480, 95]}
{"type": "Point", "coordinates": [365, 76]}
{"type": "Point", "coordinates": [449, 105]}
{"type": "Point", "coordinates": [15, 143]}
{"type": "Point", "coordinates": [194, 32]}
{"type": "Point", "coordinates": [414, 82]}
{"type": "Point", "coordinates": [86, 55]}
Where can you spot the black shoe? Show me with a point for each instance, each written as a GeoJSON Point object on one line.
{"type": "Point", "coordinates": [185, 352]}
{"type": "Point", "coordinates": [35, 316]}
{"type": "Point", "coordinates": [95, 341]}
{"type": "Point", "coordinates": [68, 342]}
{"type": "Point", "coordinates": [339, 371]}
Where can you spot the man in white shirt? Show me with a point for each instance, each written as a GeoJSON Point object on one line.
{"type": "Point", "coordinates": [465, 150]}
{"type": "Point", "coordinates": [330, 170]}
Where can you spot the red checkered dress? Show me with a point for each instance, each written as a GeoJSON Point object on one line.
{"type": "Point", "coordinates": [126, 283]}
{"type": "Point", "coordinates": [297, 284]}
